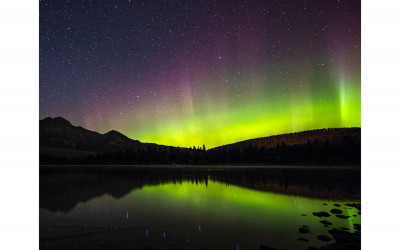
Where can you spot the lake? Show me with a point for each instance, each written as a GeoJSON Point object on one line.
{"type": "Point", "coordinates": [209, 207]}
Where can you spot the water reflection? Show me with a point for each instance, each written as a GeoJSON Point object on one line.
{"type": "Point", "coordinates": [62, 188]}
{"type": "Point", "coordinates": [192, 211]}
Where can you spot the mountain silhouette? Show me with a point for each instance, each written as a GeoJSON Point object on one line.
{"type": "Point", "coordinates": [62, 143]}
{"type": "Point", "coordinates": [58, 134]}
{"type": "Point", "coordinates": [332, 135]}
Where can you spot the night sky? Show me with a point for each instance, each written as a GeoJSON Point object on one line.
{"type": "Point", "coordinates": [187, 73]}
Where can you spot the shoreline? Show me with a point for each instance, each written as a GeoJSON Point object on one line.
{"type": "Point", "coordinates": [198, 166]}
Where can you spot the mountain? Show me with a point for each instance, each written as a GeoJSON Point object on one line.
{"type": "Point", "coordinates": [62, 143]}
{"type": "Point", "coordinates": [334, 136]}
{"type": "Point", "coordinates": [59, 136]}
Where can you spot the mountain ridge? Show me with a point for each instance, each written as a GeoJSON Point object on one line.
{"type": "Point", "coordinates": [301, 137]}
{"type": "Point", "coordinates": [60, 141]}
{"type": "Point", "coordinates": [60, 133]}
{"type": "Point", "coordinates": [333, 135]}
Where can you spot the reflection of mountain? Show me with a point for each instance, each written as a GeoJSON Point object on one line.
{"type": "Point", "coordinates": [62, 188]}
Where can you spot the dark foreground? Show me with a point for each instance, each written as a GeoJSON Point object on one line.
{"type": "Point", "coordinates": [208, 207]}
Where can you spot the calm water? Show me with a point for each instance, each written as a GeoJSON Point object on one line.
{"type": "Point", "coordinates": [181, 214]}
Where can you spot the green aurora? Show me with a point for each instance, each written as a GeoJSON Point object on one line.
{"type": "Point", "coordinates": [335, 104]}
{"type": "Point", "coordinates": [227, 71]}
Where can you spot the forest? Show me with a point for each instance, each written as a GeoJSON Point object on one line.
{"type": "Point", "coordinates": [347, 151]}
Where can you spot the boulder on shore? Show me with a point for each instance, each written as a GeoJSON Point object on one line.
{"type": "Point", "coordinates": [304, 230]}
{"type": "Point", "coordinates": [336, 211]}
{"type": "Point", "coordinates": [321, 214]}
{"type": "Point", "coordinates": [325, 222]}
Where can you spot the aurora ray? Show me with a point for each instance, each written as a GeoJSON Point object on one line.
{"type": "Point", "coordinates": [187, 73]}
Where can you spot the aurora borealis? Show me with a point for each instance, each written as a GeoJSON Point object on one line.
{"type": "Point", "coordinates": [186, 73]}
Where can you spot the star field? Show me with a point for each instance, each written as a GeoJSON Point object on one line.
{"type": "Point", "coordinates": [189, 73]}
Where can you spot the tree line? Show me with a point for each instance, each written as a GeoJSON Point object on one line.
{"type": "Point", "coordinates": [348, 151]}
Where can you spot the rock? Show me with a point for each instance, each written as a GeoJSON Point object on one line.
{"type": "Point", "coordinates": [336, 211]}
{"type": "Point", "coordinates": [341, 216]}
{"type": "Point", "coordinates": [321, 214]}
{"type": "Point", "coordinates": [325, 222]}
{"type": "Point", "coordinates": [344, 240]}
{"type": "Point", "coordinates": [355, 205]}
{"type": "Point", "coordinates": [324, 238]}
{"type": "Point", "coordinates": [302, 239]}
{"type": "Point", "coordinates": [304, 230]}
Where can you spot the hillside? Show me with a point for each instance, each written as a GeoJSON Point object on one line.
{"type": "Point", "coordinates": [332, 135]}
